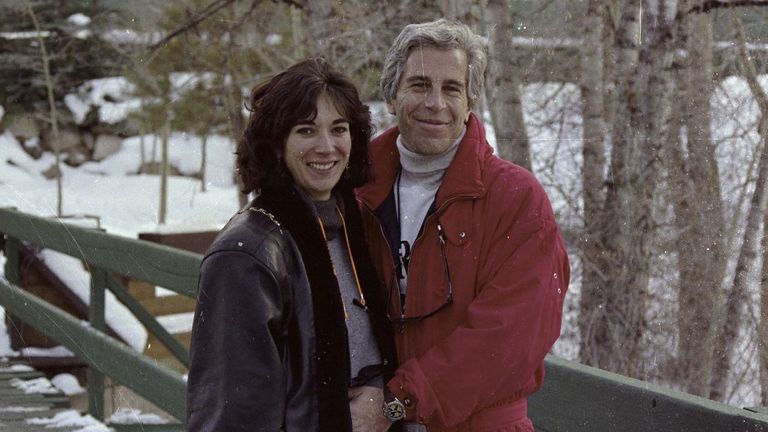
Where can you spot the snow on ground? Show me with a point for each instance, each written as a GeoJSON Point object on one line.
{"type": "Point", "coordinates": [126, 205]}
{"type": "Point", "coordinates": [70, 418]}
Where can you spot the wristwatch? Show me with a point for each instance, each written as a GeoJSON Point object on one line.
{"type": "Point", "coordinates": [393, 409]}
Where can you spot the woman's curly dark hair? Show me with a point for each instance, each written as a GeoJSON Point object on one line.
{"type": "Point", "coordinates": [287, 99]}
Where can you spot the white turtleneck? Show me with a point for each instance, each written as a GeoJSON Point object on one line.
{"type": "Point", "coordinates": [415, 188]}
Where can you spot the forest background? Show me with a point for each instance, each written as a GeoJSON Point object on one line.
{"type": "Point", "coordinates": [645, 120]}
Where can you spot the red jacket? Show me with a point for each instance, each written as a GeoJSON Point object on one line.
{"type": "Point", "coordinates": [466, 365]}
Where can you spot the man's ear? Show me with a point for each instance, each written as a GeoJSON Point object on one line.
{"type": "Point", "coordinates": [391, 108]}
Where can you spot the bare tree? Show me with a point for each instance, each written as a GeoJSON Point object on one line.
{"type": "Point", "coordinates": [594, 134]}
{"type": "Point", "coordinates": [736, 297]}
{"type": "Point", "coordinates": [615, 329]}
{"type": "Point", "coordinates": [762, 329]}
{"type": "Point", "coordinates": [56, 144]}
{"type": "Point", "coordinates": [503, 89]}
{"type": "Point", "coordinates": [695, 187]}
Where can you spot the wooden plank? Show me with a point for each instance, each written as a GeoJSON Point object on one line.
{"type": "Point", "coordinates": [167, 267]}
{"type": "Point", "coordinates": [169, 305]}
{"type": "Point", "coordinates": [157, 331]}
{"type": "Point", "coordinates": [578, 398]}
{"type": "Point", "coordinates": [96, 312]}
{"type": "Point", "coordinates": [148, 428]}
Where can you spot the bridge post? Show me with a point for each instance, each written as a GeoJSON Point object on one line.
{"type": "Point", "coordinates": [12, 270]}
{"type": "Point", "coordinates": [98, 322]}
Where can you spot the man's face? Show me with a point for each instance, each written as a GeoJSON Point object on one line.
{"type": "Point", "coordinates": [431, 103]}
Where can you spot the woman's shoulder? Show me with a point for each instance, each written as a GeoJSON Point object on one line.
{"type": "Point", "coordinates": [255, 231]}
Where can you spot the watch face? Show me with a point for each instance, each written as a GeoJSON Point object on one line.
{"type": "Point", "coordinates": [394, 410]}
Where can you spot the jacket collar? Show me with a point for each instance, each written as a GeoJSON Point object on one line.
{"type": "Point", "coordinates": [462, 178]}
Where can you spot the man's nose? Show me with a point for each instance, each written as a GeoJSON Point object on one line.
{"type": "Point", "coordinates": [434, 99]}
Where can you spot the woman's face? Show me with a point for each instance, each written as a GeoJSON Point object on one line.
{"type": "Point", "coordinates": [317, 151]}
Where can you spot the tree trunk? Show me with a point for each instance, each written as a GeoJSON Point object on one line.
{"type": "Point", "coordinates": [457, 10]}
{"type": "Point", "coordinates": [297, 30]}
{"type": "Point", "coordinates": [56, 144]}
{"type": "Point", "coordinates": [762, 329]}
{"type": "Point", "coordinates": [164, 170]}
{"type": "Point", "coordinates": [644, 90]}
{"type": "Point", "coordinates": [321, 25]}
{"type": "Point", "coordinates": [698, 209]}
{"type": "Point", "coordinates": [503, 89]}
{"type": "Point", "coordinates": [234, 104]}
{"type": "Point", "coordinates": [203, 161]}
{"type": "Point", "coordinates": [617, 329]}
{"type": "Point", "coordinates": [593, 152]}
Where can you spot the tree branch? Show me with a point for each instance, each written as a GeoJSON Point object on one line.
{"type": "Point", "coordinates": [201, 16]}
{"type": "Point", "coordinates": [709, 5]}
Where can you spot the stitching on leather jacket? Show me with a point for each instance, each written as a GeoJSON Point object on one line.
{"type": "Point", "coordinates": [269, 215]}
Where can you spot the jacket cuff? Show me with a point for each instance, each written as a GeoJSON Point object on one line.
{"type": "Point", "coordinates": [396, 387]}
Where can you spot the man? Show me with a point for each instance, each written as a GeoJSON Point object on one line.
{"type": "Point", "coordinates": [465, 243]}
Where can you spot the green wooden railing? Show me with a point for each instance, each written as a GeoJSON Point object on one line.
{"type": "Point", "coordinates": [574, 398]}
{"type": "Point", "coordinates": [104, 255]}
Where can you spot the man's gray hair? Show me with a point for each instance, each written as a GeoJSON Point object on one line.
{"type": "Point", "coordinates": [440, 34]}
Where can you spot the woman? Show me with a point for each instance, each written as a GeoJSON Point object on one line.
{"type": "Point", "coordinates": [289, 316]}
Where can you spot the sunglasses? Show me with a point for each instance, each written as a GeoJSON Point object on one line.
{"type": "Point", "coordinates": [405, 319]}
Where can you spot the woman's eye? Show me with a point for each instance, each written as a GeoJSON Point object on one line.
{"type": "Point", "coordinates": [303, 131]}
{"type": "Point", "coordinates": [340, 129]}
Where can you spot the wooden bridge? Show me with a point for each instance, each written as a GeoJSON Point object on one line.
{"type": "Point", "coordinates": [575, 398]}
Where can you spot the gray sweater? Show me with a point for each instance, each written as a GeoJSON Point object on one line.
{"type": "Point", "coordinates": [362, 345]}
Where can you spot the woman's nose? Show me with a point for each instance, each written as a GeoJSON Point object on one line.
{"type": "Point", "coordinates": [324, 142]}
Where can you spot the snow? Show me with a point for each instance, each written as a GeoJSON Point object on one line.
{"type": "Point", "coordinates": [34, 386]}
{"type": "Point", "coordinates": [79, 19]}
{"type": "Point", "coordinates": [71, 418]}
{"type": "Point", "coordinates": [68, 384]}
{"type": "Point", "coordinates": [131, 211]}
{"type": "Point", "coordinates": [112, 96]}
{"type": "Point", "coordinates": [177, 323]}
{"type": "Point", "coordinates": [72, 272]}
{"type": "Point", "coordinates": [273, 39]}
{"type": "Point", "coordinates": [19, 409]}
{"type": "Point", "coordinates": [57, 351]}
{"type": "Point", "coordinates": [24, 35]}
{"type": "Point", "coordinates": [126, 416]}
{"type": "Point", "coordinates": [83, 34]}
{"type": "Point", "coordinates": [17, 368]}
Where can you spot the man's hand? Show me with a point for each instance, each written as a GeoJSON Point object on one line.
{"type": "Point", "coordinates": [365, 404]}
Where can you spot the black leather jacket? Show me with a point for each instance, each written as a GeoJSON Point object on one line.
{"type": "Point", "coordinates": [269, 349]}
